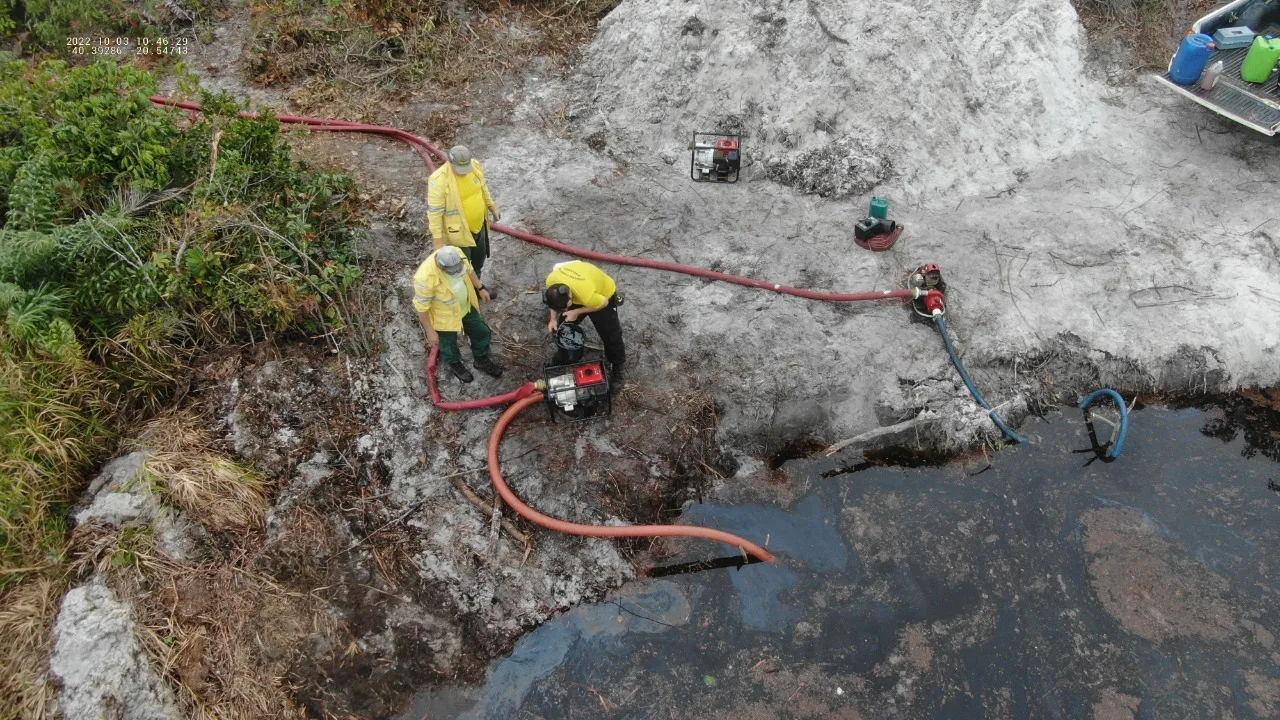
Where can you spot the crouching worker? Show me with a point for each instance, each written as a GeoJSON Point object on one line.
{"type": "Point", "coordinates": [447, 295]}
{"type": "Point", "coordinates": [579, 289]}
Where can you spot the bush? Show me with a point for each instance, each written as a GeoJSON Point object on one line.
{"type": "Point", "coordinates": [131, 238]}
{"type": "Point", "coordinates": [51, 22]}
{"type": "Point", "coordinates": [382, 45]}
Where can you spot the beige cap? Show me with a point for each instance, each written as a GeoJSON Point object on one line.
{"type": "Point", "coordinates": [460, 156]}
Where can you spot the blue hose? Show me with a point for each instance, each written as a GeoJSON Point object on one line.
{"type": "Point", "coordinates": [1124, 416]}
{"type": "Point", "coordinates": [941, 322]}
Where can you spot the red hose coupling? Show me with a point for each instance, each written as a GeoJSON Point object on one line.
{"type": "Point", "coordinates": [935, 303]}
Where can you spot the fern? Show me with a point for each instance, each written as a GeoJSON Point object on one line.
{"type": "Point", "coordinates": [33, 203]}
{"type": "Point", "coordinates": [25, 254]}
{"type": "Point", "coordinates": [28, 318]}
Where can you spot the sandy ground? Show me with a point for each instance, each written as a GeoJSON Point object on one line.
{"type": "Point", "coordinates": [1091, 234]}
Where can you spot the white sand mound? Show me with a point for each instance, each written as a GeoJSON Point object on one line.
{"type": "Point", "coordinates": [839, 96]}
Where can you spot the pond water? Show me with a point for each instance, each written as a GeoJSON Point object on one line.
{"type": "Point", "coordinates": [1048, 584]}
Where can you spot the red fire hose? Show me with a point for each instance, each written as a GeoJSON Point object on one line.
{"type": "Point", "coordinates": [702, 272]}
{"type": "Point", "coordinates": [546, 521]}
{"type": "Point", "coordinates": [422, 147]}
{"type": "Point", "coordinates": [519, 393]}
{"type": "Point", "coordinates": [527, 394]}
{"type": "Point", "coordinates": [426, 149]}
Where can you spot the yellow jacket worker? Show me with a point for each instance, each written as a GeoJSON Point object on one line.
{"type": "Point", "coordinates": [447, 294]}
{"type": "Point", "coordinates": [576, 289]}
{"type": "Point", "coordinates": [457, 199]}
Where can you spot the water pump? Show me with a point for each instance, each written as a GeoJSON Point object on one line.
{"type": "Point", "coordinates": [577, 392]}
{"type": "Point", "coordinates": [928, 277]}
{"type": "Point", "coordinates": [716, 158]}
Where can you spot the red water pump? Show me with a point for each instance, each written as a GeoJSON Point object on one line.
{"type": "Point", "coordinates": [577, 392]}
{"type": "Point", "coordinates": [927, 279]}
{"type": "Point", "coordinates": [716, 158]}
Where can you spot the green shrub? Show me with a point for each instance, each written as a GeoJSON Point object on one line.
{"type": "Point", "coordinates": [131, 238]}
{"type": "Point", "coordinates": [51, 22]}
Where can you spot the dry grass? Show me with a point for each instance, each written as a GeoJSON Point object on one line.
{"type": "Point", "coordinates": [218, 493]}
{"type": "Point", "coordinates": [214, 490]}
{"type": "Point", "coordinates": [223, 635]}
{"type": "Point", "coordinates": [220, 634]}
{"type": "Point", "coordinates": [375, 47]}
{"type": "Point", "coordinates": [27, 611]}
{"type": "Point", "coordinates": [1150, 29]}
{"type": "Point", "coordinates": [215, 652]}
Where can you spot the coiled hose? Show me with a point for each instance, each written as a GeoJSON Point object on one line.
{"type": "Point", "coordinates": [941, 322]}
{"type": "Point", "coordinates": [1118, 448]}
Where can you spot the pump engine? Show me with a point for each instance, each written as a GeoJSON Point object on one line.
{"type": "Point", "coordinates": [577, 392]}
{"type": "Point", "coordinates": [716, 158]}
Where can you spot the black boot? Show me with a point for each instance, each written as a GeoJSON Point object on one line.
{"type": "Point", "coordinates": [487, 366]}
{"type": "Point", "coordinates": [461, 372]}
{"type": "Point", "coordinates": [616, 380]}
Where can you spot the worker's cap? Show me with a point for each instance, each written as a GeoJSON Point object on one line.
{"type": "Point", "coordinates": [460, 156]}
{"type": "Point", "coordinates": [449, 258]}
{"type": "Point", "coordinates": [556, 297]}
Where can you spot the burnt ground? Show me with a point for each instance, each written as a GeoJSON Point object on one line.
{"type": "Point", "coordinates": [343, 605]}
{"type": "Point", "coordinates": [399, 577]}
{"type": "Point", "coordinates": [1041, 583]}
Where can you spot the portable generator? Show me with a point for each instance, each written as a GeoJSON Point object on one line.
{"type": "Point", "coordinates": [715, 158]}
{"type": "Point", "coordinates": [577, 392]}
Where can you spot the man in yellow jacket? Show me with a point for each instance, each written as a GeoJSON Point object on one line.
{"type": "Point", "coordinates": [578, 289]}
{"type": "Point", "coordinates": [447, 294]}
{"type": "Point", "coordinates": [457, 200]}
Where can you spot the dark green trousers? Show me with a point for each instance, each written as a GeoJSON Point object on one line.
{"type": "Point", "coordinates": [477, 331]}
{"type": "Point", "coordinates": [476, 255]}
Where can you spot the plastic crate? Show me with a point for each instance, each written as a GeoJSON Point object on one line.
{"type": "Point", "coordinates": [1233, 37]}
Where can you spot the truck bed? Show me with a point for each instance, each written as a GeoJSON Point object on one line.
{"type": "Point", "coordinates": [1254, 105]}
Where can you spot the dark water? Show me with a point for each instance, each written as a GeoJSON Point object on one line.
{"type": "Point", "coordinates": [1043, 586]}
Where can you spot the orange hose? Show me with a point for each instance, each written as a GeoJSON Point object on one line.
{"type": "Point", "coordinates": [546, 521]}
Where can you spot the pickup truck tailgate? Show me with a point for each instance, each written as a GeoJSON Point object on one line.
{"type": "Point", "coordinates": [1255, 105]}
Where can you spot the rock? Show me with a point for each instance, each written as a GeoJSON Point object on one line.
{"type": "Point", "coordinates": [179, 537]}
{"type": "Point", "coordinates": [100, 664]}
{"type": "Point", "coordinates": [119, 495]}
{"type": "Point", "coordinates": [119, 509]}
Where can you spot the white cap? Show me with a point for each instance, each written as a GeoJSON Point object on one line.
{"type": "Point", "coordinates": [449, 259]}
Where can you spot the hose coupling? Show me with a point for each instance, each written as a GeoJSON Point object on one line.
{"type": "Point", "coordinates": [934, 303]}
{"type": "Point", "coordinates": [540, 385]}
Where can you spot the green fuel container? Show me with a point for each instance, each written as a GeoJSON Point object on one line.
{"type": "Point", "coordinates": [1263, 55]}
{"type": "Point", "coordinates": [880, 206]}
